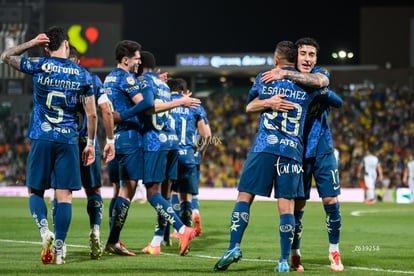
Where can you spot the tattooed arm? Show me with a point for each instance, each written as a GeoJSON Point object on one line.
{"type": "Point", "coordinates": [13, 56]}
{"type": "Point", "coordinates": [316, 80]}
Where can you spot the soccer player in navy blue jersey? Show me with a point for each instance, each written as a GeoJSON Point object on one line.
{"type": "Point", "coordinates": [53, 161]}
{"type": "Point", "coordinates": [275, 158]}
{"type": "Point", "coordinates": [190, 125]}
{"type": "Point", "coordinates": [122, 88]}
{"type": "Point", "coordinates": [203, 139]}
{"type": "Point", "coordinates": [160, 143]}
{"type": "Point", "coordinates": [91, 175]}
{"type": "Point", "coordinates": [319, 159]}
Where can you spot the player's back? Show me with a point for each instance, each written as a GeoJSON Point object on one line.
{"type": "Point", "coordinates": [59, 86]}
{"type": "Point", "coordinates": [151, 84]}
{"type": "Point", "coordinates": [157, 131]}
{"type": "Point", "coordinates": [281, 133]}
{"type": "Point", "coordinates": [184, 121]}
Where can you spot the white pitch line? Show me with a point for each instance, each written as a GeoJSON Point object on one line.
{"type": "Point", "coordinates": [358, 213]}
{"type": "Point", "coordinates": [244, 259]}
{"type": "Point", "coordinates": [39, 243]}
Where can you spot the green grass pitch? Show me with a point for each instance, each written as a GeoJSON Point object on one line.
{"type": "Point", "coordinates": [375, 240]}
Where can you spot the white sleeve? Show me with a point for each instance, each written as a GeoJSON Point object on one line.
{"type": "Point", "coordinates": [103, 99]}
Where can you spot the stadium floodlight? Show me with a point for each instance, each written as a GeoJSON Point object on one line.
{"type": "Point", "coordinates": [342, 54]}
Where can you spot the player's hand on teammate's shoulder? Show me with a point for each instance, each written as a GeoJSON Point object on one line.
{"type": "Point", "coordinates": [273, 74]}
{"type": "Point", "coordinates": [188, 101]}
{"type": "Point", "coordinates": [187, 93]}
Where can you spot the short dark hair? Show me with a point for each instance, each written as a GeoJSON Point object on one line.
{"type": "Point", "coordinates": [147, 60]}
{"type": "Point", "coordinates": [56, 35]}
{"type": "Point", "coordinates": [177, 84]}
{"type": "Point", "coordinates": [287, 50]}
{"type": "Point", "coordinates": [126, 48]}
{"type": "Point", "coordinates": [307, 41]}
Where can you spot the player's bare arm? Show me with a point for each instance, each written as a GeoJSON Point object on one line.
{"type": "Point", "coordinates": [273, 74]}
{"type": "Point", "coordinates": [88, 154]}
{"type": "Point", "coordinates": [183, 101]}
{"type": "Point", "coordinates": [316, 80]}
{"type": "Point", "coordinates": [205, 133]}
{"type": "Point", "coordinates": [108, 121]}
{"type": "Point", "coordinates": [276, 103]}
{"type": "Point", "coordinates": [13, 56]}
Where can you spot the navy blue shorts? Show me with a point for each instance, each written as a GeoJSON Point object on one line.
{"type": "Point", "coordinates": [91, 176]}
{"type": "Point", "coordinates": [187, 179]}
{"type": "Point", "coordinates": [324, 169]}
{"type": "Point", "coordinates": [53, 165]}
{"type": "Point", "coordinates": [160, 165]}
{"type": "Point", "coordinates": [113, 170]}
{"type": "Point", "coordinates": [172, 164]}
{"type": "Point", "coordinates": [264, 171]}
{"type": "Point", "coordinates": [130, 165]}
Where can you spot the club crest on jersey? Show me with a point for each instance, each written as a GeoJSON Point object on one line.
{"type": "Point", "coordinates": [157, 81]}
{"type": "Point", "coordinates": [130, 80]}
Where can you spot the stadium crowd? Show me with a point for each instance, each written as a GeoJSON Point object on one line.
{"type": "Point", "coordinates": [378, 114]}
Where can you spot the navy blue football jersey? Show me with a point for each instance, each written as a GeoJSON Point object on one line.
{"type": "Point", "coordinates": [281, 133]}
{"type": "Point", "coordinates": [59, 86]}
{"type": "Point", "coordinates": [317, 132]}
{"type": "Point", "coordinates": [157, 131]}
{"type": "Point", "coordinates": [121, 87]}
